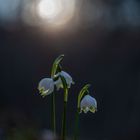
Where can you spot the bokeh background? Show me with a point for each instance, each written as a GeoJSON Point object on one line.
{"type": "Point", "coordinates": [101, 44]}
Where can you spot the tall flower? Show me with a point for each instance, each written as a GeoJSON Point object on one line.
{"type": "Point", "coordinates": [67, 77]}
{"type": "Point", "coordinates": [46, 86]}
{"type": "Point", "coordinates": [88, 103]}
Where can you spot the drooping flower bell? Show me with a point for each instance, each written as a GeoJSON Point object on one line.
{"type": "Point", "coordinates": [67, 77]}
{"type": "Point", "coordinates": [46, 86]}
{"type": "Point", "coordinates": [88, 103]}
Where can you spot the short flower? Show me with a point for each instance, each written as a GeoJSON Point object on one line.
{"type": "Point", "coordinates": [88, 103]}
{"type": "Point", "coordinates": [46, 86]}
{"type": "Point", "coordinates": [67, 77]}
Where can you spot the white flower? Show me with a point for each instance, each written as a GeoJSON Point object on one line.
{"type": "Point", "coordinates": [46, 86]}
{"type": "Point", "coordinates": [67, 77]}
{"type": "Point", "coordinates": [88, 103]}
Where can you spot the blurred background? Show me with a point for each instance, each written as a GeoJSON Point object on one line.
{"type": "Point", "coordinates": [101, 43]}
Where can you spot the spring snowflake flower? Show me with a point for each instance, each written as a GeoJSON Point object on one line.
{"type": "Point", "coordinates": [46, 86]}
{"type": "Point", "coordinates": [88, 103]}
{"type": "Point", "coordinates": [67, 77]}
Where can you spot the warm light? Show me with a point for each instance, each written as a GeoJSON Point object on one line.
{"type": "Point", "coordinates": [56, 13]}
{"type": "Point", "coordinates": [49, 8]}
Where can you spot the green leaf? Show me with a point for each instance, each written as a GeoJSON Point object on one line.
{"type": "Point", "coordinates": [81, 93]}
{"type": "Point", "coordinates": [56, 64]}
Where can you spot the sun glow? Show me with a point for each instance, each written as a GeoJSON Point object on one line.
{"type": "Point", "coordinates": [56, 13]}
{"type": "Point", "coordinates": [49, 8]}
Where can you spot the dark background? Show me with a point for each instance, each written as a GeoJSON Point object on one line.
{"type": "Point", "coordinates": [106, 57]}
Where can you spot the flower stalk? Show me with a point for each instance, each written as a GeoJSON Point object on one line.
{"type": "Point", "coordinates": [64, 121]}
{"type": "Point", "coordinates": [63, 130]}
{"type": "Point", "coordinates": [55, 67]}
{"type": "Point", "coordinates": [76, 124]}
{"type": "Point", "coordinates": [53, 114]}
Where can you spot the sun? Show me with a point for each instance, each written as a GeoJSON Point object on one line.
{"type": "Point", "coordinates": [56, 13]}
{"type": "Point", "coordinates": [49, 9]}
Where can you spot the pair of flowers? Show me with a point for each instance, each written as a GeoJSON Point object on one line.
{"type": "Point", "coordinates": [46, 87]}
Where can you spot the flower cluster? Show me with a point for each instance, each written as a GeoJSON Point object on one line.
{"type": "Point", "coordinates": [61, 79]}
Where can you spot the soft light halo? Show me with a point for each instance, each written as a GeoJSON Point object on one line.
{"type": "Point", "coordinates": [58, 14]}
{"type": "Point", "coordinates": [49, 9]}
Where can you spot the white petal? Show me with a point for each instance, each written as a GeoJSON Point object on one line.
{"type": "Point", "coordinates": [93, 109]}
{"type": "Point", "coordinates": [88, 101]}
{"type": "Point", "coordinates": [86, 110]}
{"type": "Point", "coordinates": [67, 77]}
{"type": "Point", "coordinates": [58, 84]}
{"type": "Point", "coordinates": [46, 86]}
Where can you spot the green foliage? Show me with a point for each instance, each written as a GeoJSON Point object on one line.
{"type": "Point", "coordinates": [56, 64]}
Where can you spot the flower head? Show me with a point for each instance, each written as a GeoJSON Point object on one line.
{"type": "Point", "coordinates": [88, 103]}
{"type": "Point", "coordinates": [67, 77]}
{"type": "Point", "coordinates": [46, 86]}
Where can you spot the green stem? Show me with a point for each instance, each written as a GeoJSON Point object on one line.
{"type": "Point", "coordinates": [53, 114]}
{"type": "Point", "coordinates": [76, 125]}
{"type": "Point", "coordinates": [64, 115]}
